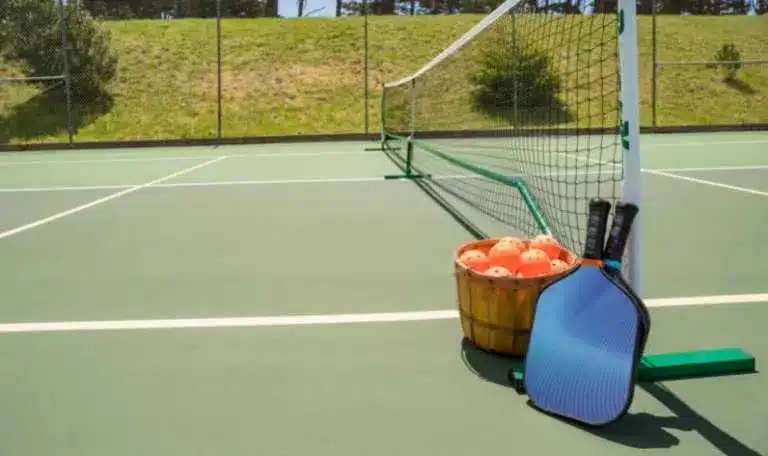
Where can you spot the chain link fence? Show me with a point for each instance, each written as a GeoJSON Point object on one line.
{"type": "Point", "coordinates": [218, 69]}
{"type": "Point", "coordinates": [35, 81]}
{"type": "Point", "coordinates": [717, 77]}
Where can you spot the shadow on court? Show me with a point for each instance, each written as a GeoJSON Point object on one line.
{"type": "Point", "coordinates": [636, 430]}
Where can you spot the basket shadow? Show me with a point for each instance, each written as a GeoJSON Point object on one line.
{"type": "Point", "coordinates": [491, 367]}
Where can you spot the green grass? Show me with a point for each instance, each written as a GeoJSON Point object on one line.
{"type": "Point", "coordinates": [302, 76]}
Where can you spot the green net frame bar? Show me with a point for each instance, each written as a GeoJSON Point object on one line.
{"type": "Point", "coordinates": [513, 182]}
{"type": "Point", "coordinates": [676, 366]}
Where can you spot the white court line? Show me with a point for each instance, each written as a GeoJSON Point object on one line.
{"type": "Point", "coordinates": [136, 158]}
{"type": "Point", "coordinates": [709, 168]}
{"type": "Point", "coordinates": [709, 143]}
{"type": "Point", "coordinates": [73, 188]}
{"type": "Point", "coordinates": [67, 188]}
{"type": "Point", "coordinates": [196, 184]}
{"type": "Point", "coordinates": [333, 319]}
{"type": "Point", "coordinates": [104, 160]}
{"type": "Point", "coordinates": [677, 176]}
{"type": "Point", "coordinates": [109, 197]}
{"type": "Point", "coordinates": [219, 183]}
{"type": "Point", "coordinates": [139, 159]}
{"type": "Point", "coordinates": [695, 180]}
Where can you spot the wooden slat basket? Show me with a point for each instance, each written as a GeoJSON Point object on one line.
{"type": "Point", "coordinates": [497, 312]}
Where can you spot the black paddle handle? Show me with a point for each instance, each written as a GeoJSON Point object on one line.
{"type": "Point", "coordinates": [596, 225]}
{"type": "Point", "coordinates": [623, 217]}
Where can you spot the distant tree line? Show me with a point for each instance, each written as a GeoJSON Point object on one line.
{"type": "Point", "coordinates": [152, 9]}
{"type": "Point", "coordinates": [139, 9]}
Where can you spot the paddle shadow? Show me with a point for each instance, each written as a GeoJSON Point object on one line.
{"type": "Point", "coordinates": [636, 430]}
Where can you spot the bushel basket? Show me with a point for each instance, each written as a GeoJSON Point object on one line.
{"type": "Point", "coordinates": [497, 312]}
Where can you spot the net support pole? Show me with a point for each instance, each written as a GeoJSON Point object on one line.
{"type": "Point", "coordinates": [382, 132]}
{"type": "Point", "coordinates": [630, 131]}
{"type": "Point", "coordinates": [67, 74]}
{"type": "Point", "coordinates": [408, 165]}
{"type": "Point", "coordinates": [366, 91]}
{"type": "Point", "coordinates": [218, 70]}
{"type": "Point", "coordinates": [655, 68]}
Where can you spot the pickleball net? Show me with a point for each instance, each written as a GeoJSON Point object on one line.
{"type": "Point", "coordinates": [521, 117]}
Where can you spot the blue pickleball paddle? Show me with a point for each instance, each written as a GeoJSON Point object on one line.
{"type": "Point", "coordinates": [587, 336]}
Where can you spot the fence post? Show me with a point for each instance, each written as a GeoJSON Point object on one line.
{"type": "Point", "coordinates": [655, 64]}
{"type": "Point", "coordinates": [67, 76]}
{"type": "Point", "coordinates": [365, 67]}
{"type": "Point", "coordinates": [218, 69]}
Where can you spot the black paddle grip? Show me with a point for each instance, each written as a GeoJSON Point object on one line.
{"type": "Point", "coordinates": [623, 217]}
{"type": "Point", "coordinates": [596, 225]}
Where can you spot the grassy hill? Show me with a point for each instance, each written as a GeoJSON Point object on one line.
{"type": "Point", "coordinates": [301, 76]}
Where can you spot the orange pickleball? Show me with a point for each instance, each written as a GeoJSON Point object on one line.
{"type": "Point", "coordinates": [517, 242]}
{"type": "Point", "coordinates": [534, 262]}
{"type": "Point", "coordinates": [547, 244]}
{"type": "Point", "coordinates": [505, 254]}
{"type": "Point", "coordinates": [498, 271]}
{"type": "Point", "coordinates": [475, 260]}
{"type": "Point", "coordinates": [557, 266]}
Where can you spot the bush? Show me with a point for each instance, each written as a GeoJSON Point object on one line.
{"type": "Point", "coordinates": [728, 53]}
{"type": "Point", "coordinates": [509, 72]}
{"type": "Point", "coordinates": [32, 35]}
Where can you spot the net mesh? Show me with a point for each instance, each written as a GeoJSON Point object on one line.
{"type": "Point", "coordinates": [526, 103]}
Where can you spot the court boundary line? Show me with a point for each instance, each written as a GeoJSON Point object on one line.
{"type": "Point", "coordinates": [669, 175]}
{"type": "Point", "coordinates": [711, 183]}
{"type": "Point", "coordinates": [327, 319]}
{"type": "Point", "coordinates": [67, 188]}
{"type": "Point", "coordinates": [111, 196]}
{"type": "Point", "coordinates": [706, 169]}
{"type": "Point", "coordinates": [137, 158]}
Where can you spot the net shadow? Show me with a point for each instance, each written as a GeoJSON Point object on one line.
{"type": "Point", "coordinates": [647, 431]}
{"type": "Point", "coordinates": [469, 226]}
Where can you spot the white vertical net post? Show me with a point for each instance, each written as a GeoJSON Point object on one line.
{"type": "Point", "coordinates": [630, 133]}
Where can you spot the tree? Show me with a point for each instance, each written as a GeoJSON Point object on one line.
{"type": "Point", "coordinates": [606, 6]}
{"type": "Point", "coordinates": [510, 76]}
{"type": "Point", "coordinates": [33, 36]}
{"type": "Point", "coordinates": [271, 9]}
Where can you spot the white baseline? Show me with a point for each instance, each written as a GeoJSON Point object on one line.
{"type": "Point", "coordinates": [332, 319]}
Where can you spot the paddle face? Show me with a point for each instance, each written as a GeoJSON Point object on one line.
{"type": "Point", "coordinates": [581, 361]}
{"type": "Point", "coordinates": [586, 339]}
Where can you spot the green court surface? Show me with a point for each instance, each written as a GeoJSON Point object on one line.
{"type": "Point", "coordinates": [287, 300]}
